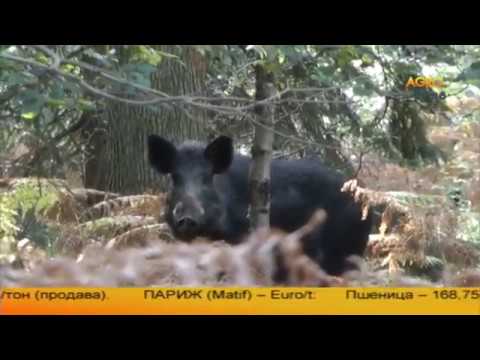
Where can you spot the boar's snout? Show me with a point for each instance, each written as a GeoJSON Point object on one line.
{"type": "Point", "coordinates": [187, 216]}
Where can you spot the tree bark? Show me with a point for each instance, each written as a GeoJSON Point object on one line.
{"type": "Point", "coordinates": [94, 137]}
{"type": "Point", "coordinates": [259, 186]}
{"type": "Point", "coordinates": [124, 162]}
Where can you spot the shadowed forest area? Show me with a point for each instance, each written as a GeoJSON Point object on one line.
{"type": "Point", "coordinates": [80, 205]}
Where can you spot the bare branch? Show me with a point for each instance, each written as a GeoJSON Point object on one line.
{"type": "Point", "coordinates": [56, 59]}
{"type": "Point", "coordinates": [72, 77]}
{"type": "Point", "coordinates": [160, 97]}
{"type": "Point", "coordinates": [76, 52]}
{"type": "Point", "coordinates": [381, 114]}
{"type": "Point", "coordinates": [360, 164]}
{"type": "Point", "coordinates": [286, 136]}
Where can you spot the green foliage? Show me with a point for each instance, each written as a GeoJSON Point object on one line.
{"type": "Point", "coordinates": [39, 107]}
{"type": "Point", "coordinates": [31, 103]}
{"type": "Point", "coordinates": [364, 87]}
{"type": "Point", "coordinates": [291, 54]}
{"type": "Point", "coordinates": [42, 105]}
{"type": "Point", "coordinates": [324, 74]}
{"type": "Point", "coordinates": [148, 55]}
{"type": "Point", "coordinates": [33, 196]}
{"type": "Point", "coordinates": [20, 216]}
{"type": "Point", "coordinates": [8, 228]}
{"type": "Point", "coordinates": [346, 55]}
{"type": "Point", "coordinates": [16, 78]}
{"type": "Point", "coordinates": [33, 228]}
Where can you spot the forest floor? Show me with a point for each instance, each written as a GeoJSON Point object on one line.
{"type": "Point", "coordinates": [428, 233]}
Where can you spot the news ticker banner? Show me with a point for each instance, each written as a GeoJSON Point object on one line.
{"type": "Point", "coordinates": [240, 301]}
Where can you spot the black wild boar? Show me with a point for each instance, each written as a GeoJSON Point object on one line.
{"type": "Point", "coordinates": [210, 198]}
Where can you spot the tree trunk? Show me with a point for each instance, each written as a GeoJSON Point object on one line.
{"type": "Point", "coordinates": [409, 134]}
{"type": "Point", "coordinates": [94, 137]}
{"type": "Point", "coordinates": [93, 133]}
{"type": "Point", "coordinates": [259, 186]}
{"type": "Point", "coordinates": [124, 166]}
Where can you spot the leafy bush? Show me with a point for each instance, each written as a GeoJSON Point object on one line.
{"type": "Point", "coordinates": [30, 226]}
{"type": "Point", "coordinates": [20, 216]}
{"type": "Point", "coordinates": [8, 228]}
{"type": "Point", "coordinates": [33, 196]}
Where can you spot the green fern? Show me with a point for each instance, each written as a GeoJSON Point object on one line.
{"type": "Point", "coordinates": [8, 228]}
{"type": "Point", "coordinates": [31, 227]}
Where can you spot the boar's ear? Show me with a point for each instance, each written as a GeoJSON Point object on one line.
{"type": "Point", "coordinates": [220, 154]}
{"type": "Point", "coordinates": [161, 154]}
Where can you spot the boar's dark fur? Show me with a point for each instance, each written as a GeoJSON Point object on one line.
{"type": "Point", "coordinates": [209, 198]}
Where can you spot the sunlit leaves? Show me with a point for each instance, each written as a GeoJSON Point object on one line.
{"type": "Point", "coordinates": [86, 105]}
{"type": "Point", "coordinates": [366, 56]}
{"type": "Point", "coordinates": [69, 68]}
{"type": "Point", "coordinates": [346, 55]}
{"type": "Point", "coordinates": [31, 103]}
{"type": "Point", "coordinates": [29, 115]}
{"type": "Point", "coordinates": [64, 95]}
{"type": "Point", "coordinates": [273, 67]}
{"type": "Point", "coordinates": [147, 54]}
{"type": "Point", "coordinates": [42, 58]}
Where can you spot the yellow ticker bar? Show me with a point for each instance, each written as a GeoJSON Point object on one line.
{"type": "Point", "coordinates": [240, 301]}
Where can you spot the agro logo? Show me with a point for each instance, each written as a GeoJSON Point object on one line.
{"type": "Point", "coordinates": [427, 82]}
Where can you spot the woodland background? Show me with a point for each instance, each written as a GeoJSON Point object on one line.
{"type": "Point", "coordinates": [77, 195]}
